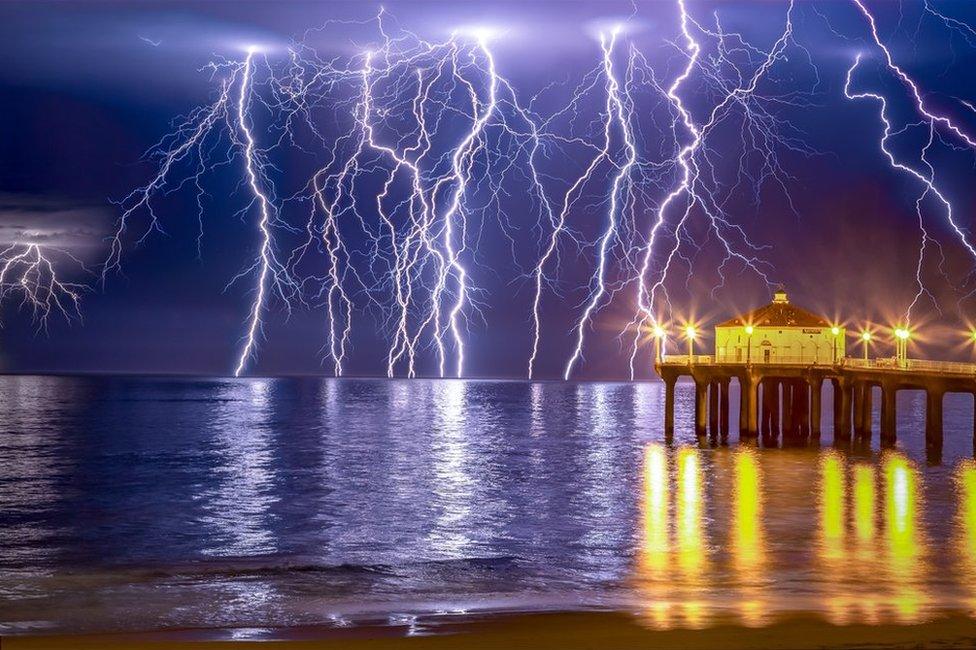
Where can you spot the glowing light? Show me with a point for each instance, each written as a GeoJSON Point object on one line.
{"type": "Point", "coordinates": [481, 33]}
{"type": "Point", "coordinates": [749, 330]}
{"type": "Point", "coordinates": [835, 330]}
{"type": "Point", "coordinates": [866, 336]}
{"type": "Point", "coordinates": [659, 332]}
{"type": "Point", "coordinates": [902, 333]}
{"type": "Point", "coordinates": [691, 332]}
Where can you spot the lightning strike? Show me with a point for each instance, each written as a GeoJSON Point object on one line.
{"type": "Point", "coordinates": [922, 170]}
{"type": "Point", "coordinates": [29, 275]}
{"type": "Point", "coordinates": [614, 112]}
{"type": "Point", "coordinates": [426, 144]}
{"type": "Point", "coordinates": [254, 179]}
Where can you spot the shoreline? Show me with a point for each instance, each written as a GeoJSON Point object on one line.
{"type": "Point", "coordinates": [564, 630]}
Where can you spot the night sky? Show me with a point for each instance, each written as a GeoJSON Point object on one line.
{"type": "Point", "coordinates": [87, 88]}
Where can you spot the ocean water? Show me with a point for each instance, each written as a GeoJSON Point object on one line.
{"type": "Point", "coordinates": [146, 503]}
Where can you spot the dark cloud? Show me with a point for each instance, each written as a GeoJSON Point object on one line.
{"type": "Point", "coordinates": [53, 222]}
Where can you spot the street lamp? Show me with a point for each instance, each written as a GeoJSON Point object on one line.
{"type": "Point", "coordinates": [749, 330]}
{"type": "Point", "coordinates": [659, 335]}
{"type": "Point", "coordinates": [690, 334]}
{"type": "Point", "coordinates": [901, 350]}
{"type": "Point", "coordinates": [836, 332]}
{"type": "Point", "coordinates": [865, 342]}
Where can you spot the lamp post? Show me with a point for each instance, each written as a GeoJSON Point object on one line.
{"type": "Point", "coordinates": [659, 335]}
{"type": "Point", "coordinates": [972, 337]}
{"type": "Point", "coordinates": [690, 334]}
{"type": "Point", "coordinates": [749, 330]}
{"type": "Point", "coordinates": [865, 342]}
{"type": "Point", "coordinates": [836, 332]}
{"type": "Point", "coordinates": [901, 340]}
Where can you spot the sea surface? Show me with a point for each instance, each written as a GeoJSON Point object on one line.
{"type": "Point", "coordinates": [147, 503]}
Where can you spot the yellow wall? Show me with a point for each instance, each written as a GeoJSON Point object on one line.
{"type": "Point", "coordinates": [785, 344]}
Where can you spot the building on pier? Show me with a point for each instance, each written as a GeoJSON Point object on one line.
{"type": "Point", "coordinates": [779, 332]}
{"type": "Point", "coordinates": [781, 393]}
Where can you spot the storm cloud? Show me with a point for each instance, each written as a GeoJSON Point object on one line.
{"type": "Point", "coordinates": [54, 222]}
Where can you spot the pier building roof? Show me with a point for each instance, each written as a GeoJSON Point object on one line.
{"type": "Point", "coordinates": [779, 313]}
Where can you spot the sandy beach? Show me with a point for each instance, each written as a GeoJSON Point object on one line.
{"type": "Point", "coordinates": [566, 631]}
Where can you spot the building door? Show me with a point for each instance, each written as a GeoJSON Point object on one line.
{"type": "Point", "coordinates": [766, 355]}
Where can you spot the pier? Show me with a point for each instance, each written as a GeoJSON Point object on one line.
{"type": "Point", "coordinates": [784, 398]}
{"type": "Point", "coordinates": [781, 356]}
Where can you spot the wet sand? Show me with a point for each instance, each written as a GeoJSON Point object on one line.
{"type": "Point", "coordinates": [567, 631]}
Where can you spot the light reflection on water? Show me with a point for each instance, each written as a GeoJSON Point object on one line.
{"type": "Point", "coordinates": [748, 547]}
{"type": "Point", "coordinates": [965, 534]}
{"type": "Point", "coordinates": [156, 502]}
{"type": "Point", "coordinates": [868, 579]}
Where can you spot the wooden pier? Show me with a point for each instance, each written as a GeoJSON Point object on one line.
{"type": "Point", "coordinates": [784, 397]}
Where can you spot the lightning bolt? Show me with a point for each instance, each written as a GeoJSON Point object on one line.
{"type": "Point", "coordinates": [194, 142]}
{"type": "Point", "coordinates": [690, 187]}
{"type": "Point", "coordinates": [256, 180]}
{"type": "Point", "coordinates": [419, 248]}
{"type": "Point", "coordinates": [417, 147]}
{"type": "Point", "coordinates": [923, 171]}
{"type": "Point", "coordinates": [614, 111]}
{"type": "Point", "coordinates": [29, 272]}
{"type": "Point", "coordinates": [461, 165]}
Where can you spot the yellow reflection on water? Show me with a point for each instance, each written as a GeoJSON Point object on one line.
{"type": "Point", "coordinates": [655, 549]}
{"type": "Point", "coordinates": [654, 558]}
{"type": "Point", "coordinates": [691, 544]}
{"type": "Point", "coordinates": [690, 532]}
{"type": "Point", "coordinates": [748, 549]}
{"type": "Point", "coordinates": [832, 550]}
{"type": "Point", "coordinates": [966, 478]}
{"type": "Point", "coordinates": [672, 559]}
{"type": "Point", "coordinates": [866, 566]}
{"type": "Point", "coordinates": [902, 537]}
{"type": "Point", "coordinates": [832, 498]}
{"type": "Point", "coordinates": [865, 495]}
{"type": "Point", "coordinates": [966, 536]}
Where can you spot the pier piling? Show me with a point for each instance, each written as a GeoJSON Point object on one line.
{"type": "Point", "coordinates": [816, 394]}
{"type": "Point", "coordinates": [701, 389]}
{"type": "Point", "coordinates": [713, 411]}
{"type": "Point", "coordinates": [780, 399]}
{"type": "Point", "coordinates": [888, 413]}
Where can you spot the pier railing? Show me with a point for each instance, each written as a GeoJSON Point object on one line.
{"type": "Point", "coordinates": [708, 359]}
{"type": "Point", "coordinates": [918, 365]}
{"type": "Point", "coordinates": [886, 363]}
